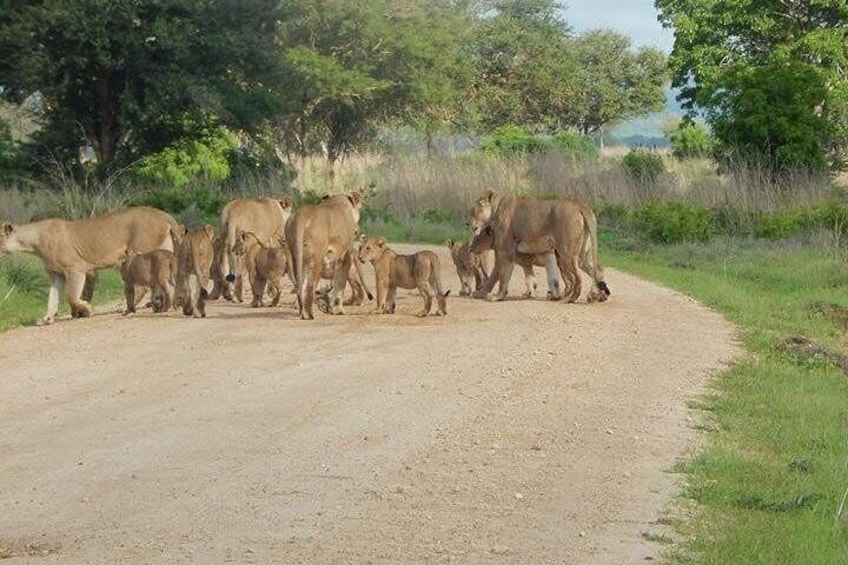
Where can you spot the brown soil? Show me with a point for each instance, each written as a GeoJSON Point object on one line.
{"type": "Point", "coordinates": [516, 432]}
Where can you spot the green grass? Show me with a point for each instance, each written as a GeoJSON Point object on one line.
{"type": "Point", "coordinates": [770, 480]}
{"type": "Point", "coordinates": [24, 286]}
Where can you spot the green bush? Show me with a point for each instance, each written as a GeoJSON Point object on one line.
{"type": "Point", "coordinates": [674, 222]}
{"type": "Point", "coordinates": [205, 155]}
{"type": "Point", "coordinates": [201, 203]}
{"type": "Point", "coordinates": [511, 140]}
{"type": "Point", "coordinates": [643, 166]}
{"type": "Point", "coordinates": [575, 145]}
{"type": "Point", "coordinates": [690, 140]}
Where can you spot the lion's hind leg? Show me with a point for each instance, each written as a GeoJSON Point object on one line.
{"type": "Point", "coordinates": [75, 282]}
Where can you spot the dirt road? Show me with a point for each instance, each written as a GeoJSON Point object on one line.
{"type": "Point", "coordinates": [514, 432]}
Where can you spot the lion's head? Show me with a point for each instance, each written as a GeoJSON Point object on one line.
{"type": "Point", "coordinates": [371, 249]}
{"type": "Point", "coordinates": [481, 212]}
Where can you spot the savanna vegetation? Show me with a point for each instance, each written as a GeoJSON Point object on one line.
{"type": "Point", "coordinates": [183, 105]}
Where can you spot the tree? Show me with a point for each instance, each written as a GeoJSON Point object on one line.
{"type": "Point", "coordinates": [358, 65]}
{"type": "Point", "coordinates": [525, 73]}
{"type": "Point", "coordinates": [770, 76]}
{"type": "Point", "coordinates": [615, 83]}
{"type": "Point", "coordinates": [121, 75]}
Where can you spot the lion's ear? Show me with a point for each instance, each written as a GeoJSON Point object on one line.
{"type": "Point", "coordinates": [209, 230]}
{"type": "Point", "coordinates": [450, 243]}
{"type": "Point", "coordinates": [8, 228]}
{"type": "Point", "coordinates": [286, 202]}
{"type": "Point", "coordinates": [243, 234]}
{"type": "Point", "coordinates": [381, 242]}
{"type": "Point", "coordinates": [362, 238]}
{"type": "Point", "coordinates": [356, 198]}
{"type": "Point", "coordinates": [488, 195]}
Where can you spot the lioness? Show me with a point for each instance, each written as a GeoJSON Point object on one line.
{"type": "Point", "coordinates": [266, 265]}
{"type": "Point", "coordinates": [155, 270]}
{"type": "Point", "coordinates": [469, 266]}
{"type": "Point", "coordinates": [266, 217]}
{"type": "Point", "coordinates": [420, 270]}
{"type": "Point", "coordinates": [515, 219]}
{"type": "Point", "coordinates": [72, 251]}
{"type": "Point", "coordinates": [194, 264]}
{"type": "Point", "coordinates": [528, 255]}
{"type": "Point", "coordinates": [323, 233]}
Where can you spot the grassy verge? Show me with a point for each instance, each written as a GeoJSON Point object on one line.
{"type": "Point", "coordinates": [24, 286]}
{"type": "Point", "coordinates": [769, 484]}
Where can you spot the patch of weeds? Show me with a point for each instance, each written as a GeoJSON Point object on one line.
{"type": "Point", "coordinates": [830, 311]}
{"type": "Point", "coordinates": [657, 538]}
{"type": "Point", "coordinates": [24, 277]}
{"type": "Point", "coordinates": [757, 502]}
{"type": "Point", "coordinates": [801, 465]}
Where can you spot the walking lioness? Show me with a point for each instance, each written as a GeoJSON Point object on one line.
{"type": "Point", "coordinates": [72, 251]}
{"type": "Point", "coordinates": [420, 270]}
{"type": "Point", "coordinates": [570, 224]}
{"type": "Point", "coordinates": [321, 236]}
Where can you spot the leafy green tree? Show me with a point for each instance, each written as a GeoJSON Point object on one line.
{"type": "Point", "coordinates": [358, 65]}
{"type": "Point", "coordinates": [525, 71]}
{"type": "Point", "coordinates": [769, 75]}
{"type": "Point", "coordinates": [114, 73]}
{"type": "Point", "coordinates": [615, 82]}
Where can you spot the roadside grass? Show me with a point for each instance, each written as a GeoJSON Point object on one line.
{"type": "Point", "coordinates": [769, 481]}
{"type": "Point", "coordinates": [24, 286]}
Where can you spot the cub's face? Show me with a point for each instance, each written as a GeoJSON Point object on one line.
{"type": "Point", "coordinates": [371, 249]}
{"type": "Point", "coordinates": [483, 241]}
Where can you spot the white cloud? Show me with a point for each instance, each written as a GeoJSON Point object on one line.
{"type": "Point", "coordinates": [636, 19]}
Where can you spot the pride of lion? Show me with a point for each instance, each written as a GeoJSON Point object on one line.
{"type": "Point", "coordinates": [316, 248]}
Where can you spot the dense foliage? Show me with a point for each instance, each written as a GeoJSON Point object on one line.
{"type": "Point", "coordinates": [770, 77]}
{"type": "Point", "coordinates": [139, 82]}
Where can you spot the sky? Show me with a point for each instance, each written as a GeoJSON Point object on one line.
{"type": "Point", "coordinates": [636, 19]}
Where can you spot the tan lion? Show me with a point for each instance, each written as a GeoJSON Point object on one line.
{"type": "Point", "coordinates": [194, 265]}
{"type": "Point", "coordinates": [420, 270]}
{"type": "Point", "coordinates": [516, 219]}
{"type": "Point", "coordinates": [538, 253]}
{"type": "Point", "coordinates": [155, 270]}
{"type": "Point", "coordinates": [321, 236]}
{"type": "Point", "coordinates": [265, 264]}
{"type": "Point", "coordinates": [265, 217]}
{"type": "Point", "coordinates": [469, 266]}
{"type": "Point", "coordinates": [72, 251]}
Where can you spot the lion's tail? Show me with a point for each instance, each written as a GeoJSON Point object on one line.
{"type": "Point", "coordinates": [589, 253]}
{"type": "Point", "coordinates": [296, 244]}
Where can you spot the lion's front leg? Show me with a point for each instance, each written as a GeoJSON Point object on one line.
{"type": "Point", "coordinates": [503, 274]}
{"type": "Point", "coordinates": [389, 306]}
{"type": "Point", "coordinates": [529, 281]}
{"type": "Point", "coordinates": [57, 285]}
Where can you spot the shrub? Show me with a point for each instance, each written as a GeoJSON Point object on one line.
{"type": "Point", "coordinates": [511, 140]}
{"type": "Point", "coordinates": [202, 203]}
{"type": "Point", "coordinates": [674, 222]}
{"type": "Point", "coordinates": [575, 145]}
{"type": "Point", "coordinates": [189, 159]}
{"type": "Point", "coordinates": [643, 166]}
{"type": "Point", "coordinates": [690, 140]}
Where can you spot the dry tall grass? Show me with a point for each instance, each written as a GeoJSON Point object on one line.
{"type": "Point", "coordinates": [410, 184]}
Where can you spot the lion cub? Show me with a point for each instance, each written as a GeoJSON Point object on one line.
{"type": "Point", "coordinates": [155, 270]}
{"type": "Point", "coordinates": [420, 270]}
{"type": "Point", "coordinates": [265, 265]}
{"type": "Point", "coordinates": [528, 254]}
{"type": "Point", "coordinates": [469, 265]}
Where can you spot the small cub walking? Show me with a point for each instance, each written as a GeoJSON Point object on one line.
{"type": "Point", "coordinates": [392, 271]}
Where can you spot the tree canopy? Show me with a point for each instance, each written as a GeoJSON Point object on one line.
{"type": "Point", "coordinates": [135, 78]}
{"type": "Point", "coordinates": [770, 76]}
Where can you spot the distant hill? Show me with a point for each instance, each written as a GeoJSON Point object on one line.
{"type": "Point", "coordinates": [647, 130]}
